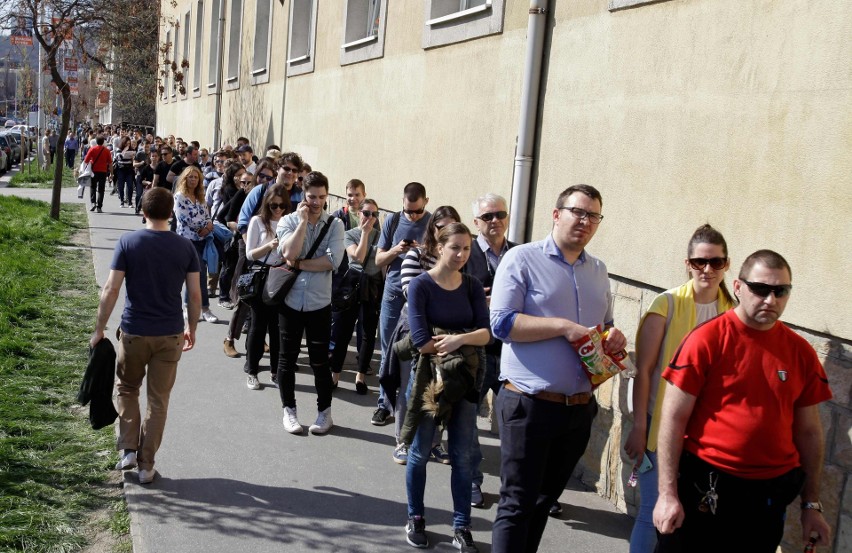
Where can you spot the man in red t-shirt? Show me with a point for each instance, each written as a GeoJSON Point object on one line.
{"type": "Point", "coordinates": [101, 159]}
{"type": "Point", "coordinates": [740, 433]}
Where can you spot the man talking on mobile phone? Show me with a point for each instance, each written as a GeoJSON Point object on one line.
{"type": "Point", "coordinates": [745, 391]}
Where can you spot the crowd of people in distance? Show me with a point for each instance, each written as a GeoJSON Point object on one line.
{"type": "Point", "coordinates": [726, 428]}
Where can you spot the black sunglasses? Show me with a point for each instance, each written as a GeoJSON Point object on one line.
{"type": "Point", "coordinates": [288, 169]}
{"type": "Point", "coordinates": [420, 211]}
{"type": "Point", "coordinates": [716, 263]}
{"type": "Point", "coordinates": [369, 214]}
{"type": "Point", "coordinates": [277, 206]}
{"type": "Point", "coordinates": [487, 217]}
{"type": "Point", "coordinates": [763, 290]}
{"type": "Point", "coordinates": [264, 177]}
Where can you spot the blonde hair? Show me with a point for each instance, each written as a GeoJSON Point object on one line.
{"type": "Point", "coordinates": [196, 195]}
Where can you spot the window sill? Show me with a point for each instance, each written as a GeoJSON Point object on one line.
{"type": "Point", "coordinates": [306, 57]}
{"type": "Point", "coordinates": [360, 42]}
{"type": "Point", "coordinates": [460, 15]}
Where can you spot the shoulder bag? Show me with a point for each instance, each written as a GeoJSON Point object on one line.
{"type": "Point", "coordinates": [250, 284]}
{"type": "Point", "coordinates": [281, 279]}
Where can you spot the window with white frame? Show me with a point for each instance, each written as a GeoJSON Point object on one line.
{"type": "Point", "coordinates": [450, 21]}
{"type": "Point", "coordinates": [185, 55]}
{"type": "Point", "coordinates": [303, 25]}
{"type": "Point", "coordinates": [213, 47]}
{"type": "Point", "coordinates": [262, 40]}
{"type": "Point", "coordinates": [175, 57]}
{"type": "Point", "coordinates": [364, 30]}
{"type": "Point", "coordinates": [196, 62]}
{"type": "Point", "coordinates": [235, 26]}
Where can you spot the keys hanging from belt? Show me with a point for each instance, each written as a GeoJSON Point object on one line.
{"type": "Point", "coordinates": [710, 498]}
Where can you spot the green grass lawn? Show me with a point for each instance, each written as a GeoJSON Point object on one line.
{"type": "Point", "coordinates": [31, 176]}
{"type": "Point", "coordinates": [53, 466]}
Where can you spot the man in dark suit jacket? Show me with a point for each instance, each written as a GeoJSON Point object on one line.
{"type": "Point", "coordinates": [491, 218]}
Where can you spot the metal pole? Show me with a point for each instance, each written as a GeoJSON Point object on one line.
{"type": "Point", "coordinates": [217, 120]}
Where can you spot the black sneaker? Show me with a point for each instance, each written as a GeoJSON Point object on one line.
{"type": "Point", "coordinates": [464, 541]}
{"type": "Point", "coordinates": [415, 533]}
{"type": "Point", "coordinates": [555, 509]}
{"type": "Point", "coordinates": [381, 417]}
{"type": "Point", "coordinates": [476, 498]}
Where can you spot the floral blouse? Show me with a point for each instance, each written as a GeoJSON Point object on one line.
{"type": "Point", "coordinates": [191, 216]}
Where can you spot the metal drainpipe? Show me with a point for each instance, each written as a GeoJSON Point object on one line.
{"type": "Point", "coordinates": [281, 140]}
{"type": "Point", "coordinates": [524, 154]}
{"type": "Point", "coordinates": [217, 121]}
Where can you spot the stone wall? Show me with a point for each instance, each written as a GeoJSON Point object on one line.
{"type": "Point", "coordinates": [605, 467]}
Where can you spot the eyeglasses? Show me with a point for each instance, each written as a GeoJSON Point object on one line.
{"type": "Point", "coordinates": [763, 290]}
{"type": "Point", "coordinates": [165, 153]}
{"type": "Point", "coordinates": [716, 263]}
{"type": "Point", "coordinates": [369, 214]}
{"type": "Point", "coordinates": [264, 177]}
{"type": "Point", "coordinates": [277, 206]}
{"type": "Point", "coordinates": [420, 211]}
{"type": "Point", "coordinates": [288, 169]}
{"type": "Point", "coordinates": [594, 218]}
{"type": "Point", "coordinates": [245, 181]}
{"type": "Point", "coordinates": [487, 217]}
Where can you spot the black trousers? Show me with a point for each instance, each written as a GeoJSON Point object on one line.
{"type": "Point", "coordinates": [540, 444]}
{"type": "Point", "coordinates": [96, 192]}
{"type": "Point", "coordinates": [749, 513]}
{"type": "Point", "coordinates": [264, 320]}
{"type": "Point", "coordinates": [367, 313]}
{"type": "Point", "coordinates": [316, 327]}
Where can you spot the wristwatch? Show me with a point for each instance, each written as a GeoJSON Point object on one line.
{"type": "Point", "coordinates": [815, 505]}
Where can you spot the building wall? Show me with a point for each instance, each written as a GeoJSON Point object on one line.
{"type": "Point", "coordinates": [681, 112]}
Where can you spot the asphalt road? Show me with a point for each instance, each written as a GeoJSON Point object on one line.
{"type": "Point", "coordinates": [231, 479]}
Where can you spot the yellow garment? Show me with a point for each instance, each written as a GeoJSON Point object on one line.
{"type": "Point", "coordinates": [682, 322]}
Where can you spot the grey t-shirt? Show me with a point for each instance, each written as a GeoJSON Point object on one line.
{"type": "Point", "coordinates": [352, 238]}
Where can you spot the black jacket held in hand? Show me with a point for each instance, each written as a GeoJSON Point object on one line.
{"type": "Point", "coordinates": [98, 383]}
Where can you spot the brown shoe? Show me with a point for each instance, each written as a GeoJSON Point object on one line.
{"type": "Point", "coordinates": [229, 348]}
{"type": "Point", "coordinates": [265, 348]}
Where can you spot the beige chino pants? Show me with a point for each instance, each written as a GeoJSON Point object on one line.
{"type": "Point", "coordinates": [160, 354]}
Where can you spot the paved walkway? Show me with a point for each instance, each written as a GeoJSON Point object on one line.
{"type": "Point", "coordinates": [230, 479]}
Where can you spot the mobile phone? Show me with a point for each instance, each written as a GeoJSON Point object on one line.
{"type": "Point", "coordinates": [645, 465]}
{"type": "Point", "coordinates": [408, 241]}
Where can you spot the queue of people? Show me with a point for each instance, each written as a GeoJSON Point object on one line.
{"type": "Point", "coordinates": [459, 314]}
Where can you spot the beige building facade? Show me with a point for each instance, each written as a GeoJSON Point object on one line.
{"type": "Point", "coordinates": [680, 111]}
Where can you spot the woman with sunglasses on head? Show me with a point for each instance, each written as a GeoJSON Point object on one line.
{"type": "Point", "coordinates": [194, 222]}
{"type": "Point", "coordinates": [360, 243]}
{"type": "Point", "coordinates": [449, 324]}
{"type": "Point", "coordinates": [672, 315]}
{"type": "Point", "coordinates": [262, 251]}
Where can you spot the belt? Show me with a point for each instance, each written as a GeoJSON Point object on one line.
{"type": "Point", "coordinates": [582, 398]}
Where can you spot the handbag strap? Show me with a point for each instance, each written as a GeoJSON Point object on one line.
{"type": "Point", "coordinates": [263, 262]}
{"type": "Point", "coordinates": [316, 244]}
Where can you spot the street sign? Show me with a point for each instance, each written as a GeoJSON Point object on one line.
{"type": "Point", "coordinates": [70, 64]}
{"type": "Point", "coordinates": [74, 90]}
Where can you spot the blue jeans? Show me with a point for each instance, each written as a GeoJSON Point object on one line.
{"type": "Point", "coordinates": [202, 275]}
{"type": "Point", "coordinates": [644, 536]}
{"type": "Point", "coordinates": [460, 430]}
{"type": "Point", "coordinates": [392, 303]}
{"type": "Point", "coordinates": [491, 382]}
{"type": "Point", "coordinates": [125, 183]}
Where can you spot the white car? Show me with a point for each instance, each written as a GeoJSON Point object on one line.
{"type": "Point", "coordinates": [10, 123]}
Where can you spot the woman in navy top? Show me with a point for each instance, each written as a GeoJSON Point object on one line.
{"type": "Point", "coordinates": [442, 297]}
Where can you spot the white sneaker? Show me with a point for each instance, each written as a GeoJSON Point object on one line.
{"type": "Point", "coordinates": [146, 476]}
{"type": "Point", "coordinates": [208, 316]}
{"type": "Point", "coordinates": [252, 383]}
{"type": "Point", "coordinates": [128, 461]}
{"type": "Point", "coordinates": [324, 422]}
{"type": "Point", "coordinates": [291, 421]}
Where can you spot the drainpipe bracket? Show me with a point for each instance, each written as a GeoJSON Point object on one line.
{"type": "Point", "coordinates": [537, 11]}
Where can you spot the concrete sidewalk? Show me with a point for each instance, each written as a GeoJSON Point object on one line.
{"type": "Point", "coordinates": [231, 479]}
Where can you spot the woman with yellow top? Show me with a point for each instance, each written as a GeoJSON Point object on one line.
{"type": "Point", "coordinates": [672, 315]}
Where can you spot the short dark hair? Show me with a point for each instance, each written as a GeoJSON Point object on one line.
{"type": "Point", "coordinates": [189, 149]}
{"type": "Point", "coordinates": [586, 189]}
{"type": "Point", "coordinates": [157, 204]}
{"type": "Point", "coordinates": [100, 140]}
{"type": "Point", "coordinates": [414, 191]}
{"type": "Point", "coordinates": [315, 179]}
{"type": "Point", "coordinates": [767, 258]}
{"type": "Point", "coordinates": [195, 143]}
{"type": "Point", "coordinates": [273, 147]}
{"type": "Point", "coordinates": [293, 159]}
{"type": "Point", "coordinates": [306, 167]}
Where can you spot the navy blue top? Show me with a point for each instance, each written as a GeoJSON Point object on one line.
{"type": "Point", "coordinates": [430, 305]}
{"type": "Point", "coordinates": [405, 229]}
{"type": "Point", "coordinates": [155, 264]}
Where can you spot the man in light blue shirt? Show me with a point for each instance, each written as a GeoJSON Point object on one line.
{"type": "Point", "coordinates": [307, 307]}
{"type": "Point", "coordinates": [546, 294]}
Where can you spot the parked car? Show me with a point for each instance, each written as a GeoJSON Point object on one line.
{"type": "Point", "coordinates": [7, 140]}
{"type": "Point", "coordinates": [23, 134]}
{"type": "Point", "coordinates": [10, 123]}
{"type": "Point", "coordinates": [4, 161]}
